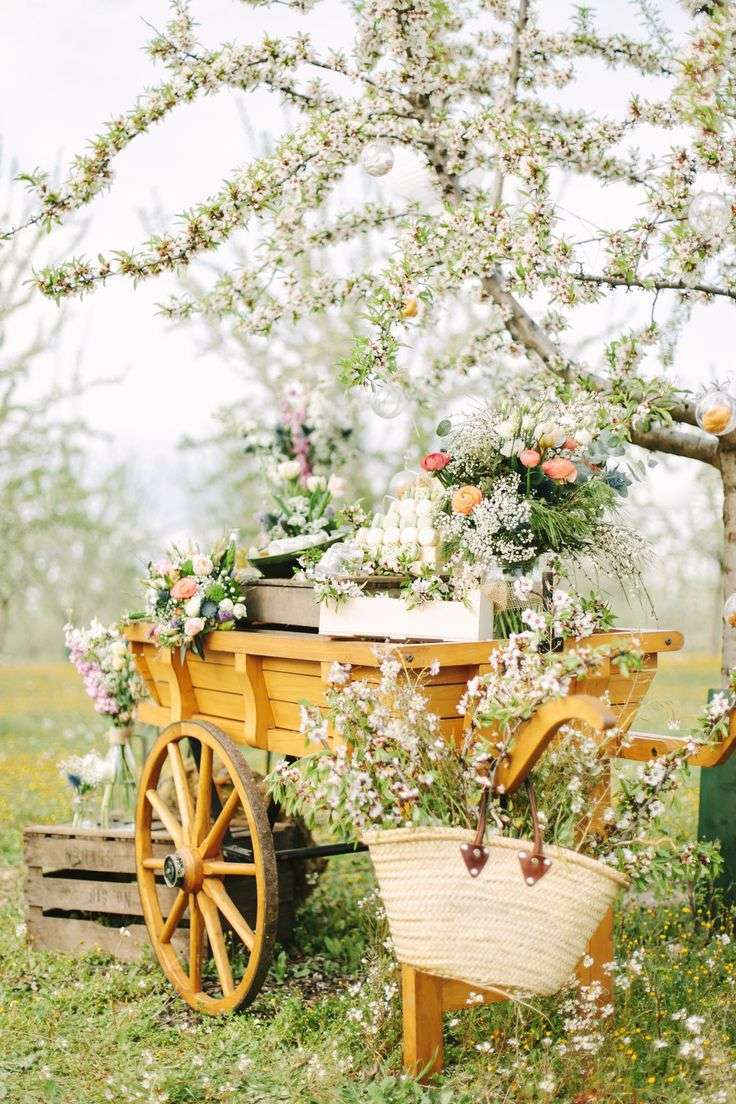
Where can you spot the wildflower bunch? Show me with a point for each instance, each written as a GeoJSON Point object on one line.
{"type": "Point", "coordinates": [303, 514]}
{"type": "Point", "coordinates": [190, 593]}
{"type": "Point", "coordinates": [525, 480]}
{"type": "Point", "coordinates": [101, 656]}
{"type": "Point", "coordinates": [86, 773]}
{"type": "Point", "coordinates": [311, 428]}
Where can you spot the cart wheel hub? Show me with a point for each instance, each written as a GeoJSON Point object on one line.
{"type": "Point", "coordinates": [183, 870]}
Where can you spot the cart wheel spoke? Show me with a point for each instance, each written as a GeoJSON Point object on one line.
{"type": "Point", "coordinates": [217, 942]}
{"type": "Point", "coordinates": [153, 864]}
{"type": "Point", "coordinates": [215, 890]}
{"type": "Point", "coordinates": [167, 818]}
{"type": "Point", "coordinates": [204, 795]}
{"type": "Point", "coordinates": [213, 840]}
{"type": "Point", "coordinates": [177, 911]}
{"type": "Point", "coordinates": [196, 944]}
{"type": "Point", "coordinates": [218, 869]}
{"type": "Point", "coordinates": [181, 785]}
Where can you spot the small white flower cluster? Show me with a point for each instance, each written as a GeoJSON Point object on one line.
{"type": "Point", "coordinates": [87, 772]}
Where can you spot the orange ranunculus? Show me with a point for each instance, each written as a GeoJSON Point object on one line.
{"type": "Point", "coordinates": [529, 458]}
{"type": "Point", "coordinates": [465, 499]}
{"type": "Point", "coordinates": [560, 469]}
{"type": "Point", "coordinates": [184, 588]}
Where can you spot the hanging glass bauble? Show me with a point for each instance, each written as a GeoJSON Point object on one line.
{"type": "Point", "coordinates": [729, 611]}
{"type": "Point", "coordinates": [386, 400]}
{"type": "Point", "coordinates": [716, 412]}
{"type": "Point", "coordinates": [709, 214]}
{"type": "Point", "coordinates": [401, 483]}
{"type": "Point", "coordinates": [377, 158]}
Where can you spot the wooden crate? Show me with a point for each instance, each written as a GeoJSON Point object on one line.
{"type": "Point", "coordinates": [290, 603]}
{"type": "Point", "coordinates": [81, 892]}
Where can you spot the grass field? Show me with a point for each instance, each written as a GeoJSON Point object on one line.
{"type": "Point", "coordinates": [326, 1027]}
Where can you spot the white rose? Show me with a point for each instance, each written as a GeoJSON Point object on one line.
{"type": "Point", "coordinates": [201, 565]}
{"type": "Point", "coordinates": [289, 469]}
{"type": "Point", "coordinates": [504, 429]}
{"type": "Point", "coordinates": [117, 663]}
{"type": "Point", "coordinates": [427, 535]}
{"type": "Point", "coordinates": [583, 437]}
{"type": "Point", "coordinates": [193, 606]}
{"type": "Point", "coordinates": [409, 535]}
{"type": "Point", "coordinates": [238, 611]}
{"type": "Point", "coordinates": [337, 486]}
{"type": "Point", "coordinates": [316, 483]}
{"type": "Point", "coordinates": [226, 604]}
{"type": "Point", "coordinates": [193, 625]}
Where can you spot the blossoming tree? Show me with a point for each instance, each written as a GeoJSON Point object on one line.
{"type": "Point", "coordinates": [474, 89]}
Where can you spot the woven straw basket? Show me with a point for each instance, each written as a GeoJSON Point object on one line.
{"type": "Point", "coordinates": [493, 930]}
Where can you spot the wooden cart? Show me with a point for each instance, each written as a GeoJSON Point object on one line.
{"type": "Point", "coordinates": [247, 694]}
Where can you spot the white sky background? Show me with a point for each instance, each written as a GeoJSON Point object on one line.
{"type": "Point", "coordinates": [67, 67]}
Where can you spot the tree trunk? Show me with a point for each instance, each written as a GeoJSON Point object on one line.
{"type": "Point", "coordinates": [728, 472]}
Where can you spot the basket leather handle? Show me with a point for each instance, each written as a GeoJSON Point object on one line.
{"type": "Point", "coordinates": [534, 864]}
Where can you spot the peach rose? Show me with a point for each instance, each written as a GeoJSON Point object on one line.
{"type": "Point", "coordinates": [465, 499]}
{"type": "Point", "coordinates": [570, 444]}
{"type": "Point", "coordinates": [529, 458]}
{"type": "Point", "coordinates": [560, 469]}
{"type": "Point", "coordinates": [184, 588]}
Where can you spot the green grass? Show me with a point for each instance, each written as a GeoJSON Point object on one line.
{"type": "Point", "coordinates": [326, 1027]}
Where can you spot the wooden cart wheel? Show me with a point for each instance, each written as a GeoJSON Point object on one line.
{"type": "Point", "coordinates": [199, 871]}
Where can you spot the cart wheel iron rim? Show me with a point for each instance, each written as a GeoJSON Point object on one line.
{"type": "Point", "coordinates": [199, 866]}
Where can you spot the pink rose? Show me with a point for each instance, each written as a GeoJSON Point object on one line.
{"type": "Point", "coordinates": [163, 567]}
{"type": "Point", "coordinates": [184, 588]}
{"type": "Point", "coordinates": [560, 469]}
{"type": "Point", "coordinates": [436, 461]}
{"type": "Point", "coordinates": [193, 625]}
{"type": "Point", "coordinates": [529, 458]}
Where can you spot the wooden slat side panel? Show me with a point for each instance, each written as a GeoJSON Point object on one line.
{"type": "Point", "coordinates": [60, 853]}
{"type": "Point", "coordinates": [79, 894]}
{"type": "Point", "coordinates": [77, 937]}
{"type": "Point", "coordinates": [216, 703]}
{"type": "Point", "coordinates": [287, 687]}
{"type": "Point", "coordinates": [214, 676]}
{"type": "Point", "coordinates": [234, 729]}
{"type": "Point", "coordinates": [309, 667]}
{"type": "Point", "coordinates": [448, 676]}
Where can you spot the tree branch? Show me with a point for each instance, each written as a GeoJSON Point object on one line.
{"type": "Point", "coordinates": [679, 442]}
{"type": "Point", "coordinates": [654, 284]}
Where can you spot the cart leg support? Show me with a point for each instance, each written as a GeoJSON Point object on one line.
{"type": "Point", "coordinates": [424, 1048]}
{"type": "Point", "coordinates": [425, 997]}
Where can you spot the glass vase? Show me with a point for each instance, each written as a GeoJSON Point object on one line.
{"type": "Point", "coordinates": [119, 794]}
{"type": "Point", "coordinates": [83, 809]}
